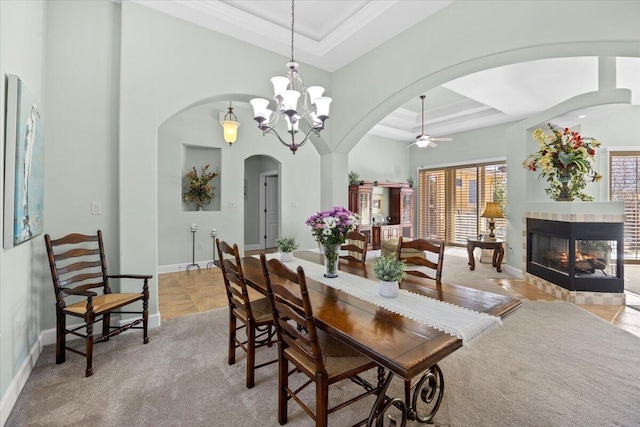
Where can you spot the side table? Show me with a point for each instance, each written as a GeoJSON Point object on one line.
{"type": "Point", "coordinates": [486, 243]}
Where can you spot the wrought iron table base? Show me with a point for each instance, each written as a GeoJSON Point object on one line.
{"type": "Point", "coordinates": [429, 390]}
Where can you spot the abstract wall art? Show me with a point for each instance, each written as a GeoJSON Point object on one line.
{"type": "Point", "coordinates": [24, 166]}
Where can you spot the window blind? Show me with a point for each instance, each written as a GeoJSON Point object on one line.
{"type": "Point", "coordinates": [451, 200]}
{"type": "Point", "coordinates": [625, 187]}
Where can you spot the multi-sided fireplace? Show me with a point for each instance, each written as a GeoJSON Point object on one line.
{"type": "Point", "coordinates": [578, 256]}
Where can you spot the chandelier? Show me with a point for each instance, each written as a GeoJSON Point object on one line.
{"type": "Point", "coordinates": [287, 91]}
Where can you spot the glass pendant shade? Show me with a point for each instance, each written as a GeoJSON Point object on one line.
{"type": "Point", "coordinates": [314, 92]}
{"type": "Point", "coordinates": [422, 143]}
{"type": "Point", "coordinates": [322, 106]}
{"type": "Point", "coordinates": [230, 131]}
{"type": "Point", "coordinates": [230, 126]}
{"type": "Point", "coordinates": [280, 84]}
{"type": "Point", "coordinates": [290, 100]}
{"type": "Point", "coordinates": [292, 123]}
{"type": "Point", "coordinates": [260, 108]}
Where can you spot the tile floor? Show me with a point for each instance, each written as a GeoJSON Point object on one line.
{"type": "Point", "coordinates": [184, 293]}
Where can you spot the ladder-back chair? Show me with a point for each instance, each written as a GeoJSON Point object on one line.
{"type": "Point", "coordinates": [322, 358]}
{"type": "Point", "coordinates": [79, 260]}
{"type": "Point", "coordinates": [255, 315]}
{"type": "Point", "coordinates": [434, 267]}
{"type": "Point", "coordinates": [356, 243]}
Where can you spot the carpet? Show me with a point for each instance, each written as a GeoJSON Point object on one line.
{"type": "Point", "coordinates": [552, 364]}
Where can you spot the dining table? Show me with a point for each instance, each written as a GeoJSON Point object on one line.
{"type": "Point", "coordinates": [405, 347]}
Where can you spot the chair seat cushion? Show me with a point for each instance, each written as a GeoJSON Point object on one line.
{"type": "Point", "coordinates": [261, 311]}
{"type": "Point", "coordinates": [338, 357]}
{"type": "Point", "coordinates": [391, 246]}
{"type": "Point", "coordinates": [102, 303]}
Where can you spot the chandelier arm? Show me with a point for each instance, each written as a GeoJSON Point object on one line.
{"type": "Point", "coordinates": [293, 146]}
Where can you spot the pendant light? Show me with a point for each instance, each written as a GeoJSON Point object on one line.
{"type": "Point", "coordinates": [230, 126]}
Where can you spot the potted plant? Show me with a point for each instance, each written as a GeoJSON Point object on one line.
{"type": "Point", "coordinates": [354, 178]}
{"type": "Point", "coordinates": [286, 246]}
{"type": "Point", "coordinates": [389, 271]}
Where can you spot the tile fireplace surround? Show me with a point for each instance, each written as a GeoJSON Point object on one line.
{"type": "Point", "coordinates": [572, 212]}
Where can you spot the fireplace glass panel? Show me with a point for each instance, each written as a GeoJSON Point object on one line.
{"type": "Point", "coordinates": [596, 258]}
{"type": "Point", "coordinates": [551, 252]}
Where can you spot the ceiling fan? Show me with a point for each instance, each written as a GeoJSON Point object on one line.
{"type": "Point", "coordinates": [424, 140]}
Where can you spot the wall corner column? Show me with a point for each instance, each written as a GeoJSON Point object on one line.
{"type": "Point", "coordinates": [334, 187]}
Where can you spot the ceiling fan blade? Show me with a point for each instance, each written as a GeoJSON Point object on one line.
{"type": "Point", "coordinates": [432, 144]}
{"type": "Point", "coordinates": [441, 139]}
{"type": "Point", "coordinates": [413, 143]}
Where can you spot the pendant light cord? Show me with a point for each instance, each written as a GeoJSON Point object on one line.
{"type": "Point", "coordinates": [292, 22]}
{"type": "Point", "coordinates": [422, 121]}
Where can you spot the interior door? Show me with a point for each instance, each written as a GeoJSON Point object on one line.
{"type": "Point", "coordinates": [271, 211]}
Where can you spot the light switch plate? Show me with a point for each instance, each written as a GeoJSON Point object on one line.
{"type": "Point", "coordinates": [96, 208]}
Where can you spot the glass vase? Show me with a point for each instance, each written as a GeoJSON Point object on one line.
{"type": "Point", "coordinates": [331, 253]}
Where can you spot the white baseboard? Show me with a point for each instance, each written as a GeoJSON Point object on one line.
{"type": "Point", "coordinates": [172, 268]}
{"type": "Point", "coordinates": [513, 271]}
{"type": "Point", "coordinates": [252, 247]}
{"type": "Point", "coordinates": [15, 387]}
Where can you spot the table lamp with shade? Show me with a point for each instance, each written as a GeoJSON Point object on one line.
{"type": "Point", "coordinates": [492, 211]}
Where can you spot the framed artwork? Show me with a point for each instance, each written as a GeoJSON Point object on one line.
{"type": "Point", "coordinates": [377, 206]}
{"type": "Point", "coordinates": [24, 166]}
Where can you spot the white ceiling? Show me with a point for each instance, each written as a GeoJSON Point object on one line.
{"type": "Point", "coordinates": [330, 34]}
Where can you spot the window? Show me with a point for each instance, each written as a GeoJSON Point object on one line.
{"type": "Point", "coordinates": [451, 201]}
{"type": "Point", "coordinates": [625, 187]}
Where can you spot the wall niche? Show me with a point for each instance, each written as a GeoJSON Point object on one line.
{"type": "Point", "coordinates": [198, 156]}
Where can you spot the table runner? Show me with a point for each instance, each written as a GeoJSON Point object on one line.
{"type": "Point", "coordinates": [468, 325]}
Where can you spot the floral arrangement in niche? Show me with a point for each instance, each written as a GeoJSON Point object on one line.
{"type": "Point", "coordinates": [330, 227]}
{"type": "Point", "coordinates": [566, 160]}
{"type": "Point", "coordinates": [198, 188]}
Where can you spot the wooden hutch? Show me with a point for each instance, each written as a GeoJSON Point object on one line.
{"type": "Point", "coordinates": [398, 200]}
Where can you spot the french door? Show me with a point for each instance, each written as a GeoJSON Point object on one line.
{"type": "Point", "coordinates": [451, 201]}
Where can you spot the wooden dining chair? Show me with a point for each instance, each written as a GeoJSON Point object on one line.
{"type": "Point", "coordinates": [254, 315]}
{"type": "Point", "coordinates": [429, 269]}
{"type": "Point", "coordinates": [322, 358]}
{"type": "Point", "coordinates": [356, 244]}
{"type": "Point", "coordinates": [79, 260]}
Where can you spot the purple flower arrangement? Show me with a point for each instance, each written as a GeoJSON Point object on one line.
{"type": "Point", "coordinates": [330, 227]}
